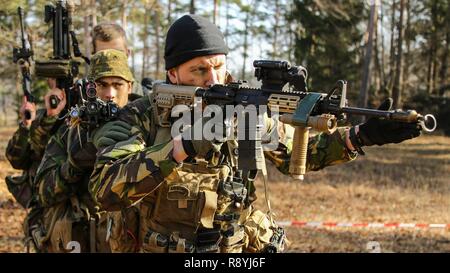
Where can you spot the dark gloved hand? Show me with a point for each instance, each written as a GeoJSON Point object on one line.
{"type": "Point", "coordinates": [378, 131]}
{"type": "Point", "coordinates": [205, 143]}
{"type": "Point", "coordinates": [81, 153]}
{"type": "Point", "coordinates": [111, 133]}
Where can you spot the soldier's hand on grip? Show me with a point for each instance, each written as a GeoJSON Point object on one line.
{"type": "Point", "coordinates": [61, 95]}
{"type": "Point", "coordinates": [111, 133]}
{"type": "Point", "coordinates": [81, 152]}
{"type": "Point", "coordinates": [29, 107]}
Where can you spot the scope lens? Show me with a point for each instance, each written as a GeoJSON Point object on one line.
{"type": "Point", "coordinates": [92, 107]}
{"type": "Point", "coordinates": [91, 91]}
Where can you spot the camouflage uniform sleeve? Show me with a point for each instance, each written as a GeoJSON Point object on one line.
{"type": "Point", "coordinates": [18, 149]}
{"type": "Point", "coordinates": [129, 170]}
{"type": "Point", "coordinates": [40, 132]}
{"type": "Point", "coordinates": [26, 144]}
{"type": "Point", "coordinates": [51, 185]}
{"type": "Point", "coordinates": [323, 150]}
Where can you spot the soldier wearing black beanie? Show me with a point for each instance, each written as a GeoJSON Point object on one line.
{"type": "Point", "coordinates": [192, 36]}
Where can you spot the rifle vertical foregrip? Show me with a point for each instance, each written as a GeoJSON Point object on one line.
{"type": "Point", "coordinates": [297, 166]}
{"type": "Point", "coordinates": [323, 123]}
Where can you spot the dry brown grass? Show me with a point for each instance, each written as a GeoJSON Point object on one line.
{"type": "Point", "coordinates": [409, 182]}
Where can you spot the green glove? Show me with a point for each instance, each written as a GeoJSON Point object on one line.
{"type": "Point", "coordinates": [111, 133]}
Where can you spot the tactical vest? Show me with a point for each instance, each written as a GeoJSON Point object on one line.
{"type": "Point", "coordinates": [202, 208]}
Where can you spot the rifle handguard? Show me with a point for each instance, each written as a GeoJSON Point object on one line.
{"type": "Point", "coordinates": [53, 68]}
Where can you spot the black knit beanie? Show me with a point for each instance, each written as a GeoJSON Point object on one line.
{"type": "Point", "coordinates": [192, 36]}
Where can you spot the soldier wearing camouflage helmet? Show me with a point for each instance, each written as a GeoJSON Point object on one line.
{"type": "Point", "coordinates": [189, 200]}
{"type": "Point", "coordinates": [70, 213]}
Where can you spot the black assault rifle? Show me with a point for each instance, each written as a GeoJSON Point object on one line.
{"type": "Point", "coordinates": [62, 66]}
{"type": "Point", "coordinates": [91, 111]}
{"type": "Point", "coordinates": [302, 109]}
{"type": "Point", "coordinates": [22, 56]}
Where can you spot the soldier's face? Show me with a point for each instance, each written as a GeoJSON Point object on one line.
{"type": "Point", "coordinates": [118, 44]}
{"type": "Point", "coordinates": [115, 89]}
{"type": "Point", "coordinates": [201, 71]}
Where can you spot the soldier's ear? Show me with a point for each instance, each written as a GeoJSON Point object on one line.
{"type": "Point", "coordinates": [173, 75]}
{"type": "Point", "coordinates": [130, 87]}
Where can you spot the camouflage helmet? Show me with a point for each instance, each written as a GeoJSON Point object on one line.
{"type": "Point", "coordinates": [110, 63]}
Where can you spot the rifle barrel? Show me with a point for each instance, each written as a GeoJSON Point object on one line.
{"type": "Point", "coordinates": [19, 10]}
{"type": "Point", "coordinates": [367, 112]}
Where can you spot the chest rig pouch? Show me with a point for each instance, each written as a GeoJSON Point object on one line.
{"type": "Point", "coordinates": [187, 200]}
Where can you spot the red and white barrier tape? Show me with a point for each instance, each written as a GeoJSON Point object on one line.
{"type": "Point", "coordinates": [360, 225]}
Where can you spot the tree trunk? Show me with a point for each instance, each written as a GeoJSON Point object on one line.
{"type": "Point", "coordinates": [291, 34]}
{"type": "Point", "coordinates": [444, 66]}
{"type": "Point", "coordinates": [397, 90]}
{"type": "Point", "coordinates": [132, 53]}
{"type": "Point", "coordinates": [124, 14]}
{"type": "Point", "coordinates": [156, 23]}
{"type": "Point", "coordinates": [245, 54]}
{"type": "Point", "coordinates": [133, 38]}
{"type": "Point", "coordinates": [192, 7]}
{"type": "Point", "coordinates": [145, 41]}
{"type": "Point", "coordinates": [436, 41]}
{"type": "Point", "coordinates": [87, 37]}
{"type": "Point", "coordinates": [431, 76]}
{"type": "Point", "coordinates": [408, 38]}
{"type": "Point", "coordinates": [382, 59]}
{"type": "Point", "coordinates": [94, 13]}
{"type": "Point", "coordinates": [275, 30]}
{"type": "Point", "coordinates": [216, 12]}
{"type": "Point", "coordinates": [378, 80]}
{"type": "Point", "coordinates": [169, 12]}
{"type": "Point", "coordinates": [392, 51]}
{"type": "Point", "coordinates": [363, 92]}
{"type": "Point", "coordinates": [429, 70]}
{"type": "Point", "coordinates": [227, 20]}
